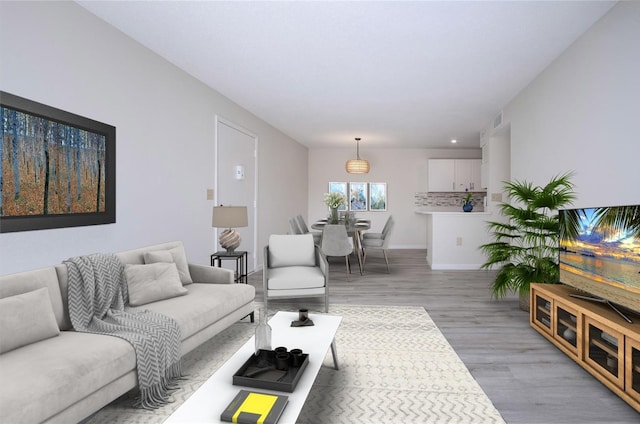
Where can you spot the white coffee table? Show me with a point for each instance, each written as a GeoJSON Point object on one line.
{"type": "Point", "coordinates": [207, 403]}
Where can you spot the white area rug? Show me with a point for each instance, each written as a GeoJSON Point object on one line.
{"type": "Point", "coordinates": [395, 367]}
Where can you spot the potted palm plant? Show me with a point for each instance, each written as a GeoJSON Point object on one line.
{"type": "Point", "coordinates": [525, 247]}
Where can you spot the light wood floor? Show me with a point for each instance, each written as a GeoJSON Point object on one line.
{"type": "Point", "coordinates": [527, 378]}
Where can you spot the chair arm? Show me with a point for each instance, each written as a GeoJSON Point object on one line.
{"type": "Point", "coordinates": [209, 274]}
{"type": "Point", "coordinates": [321, 261]}
{"type": "Point", "coordinates": [265, 270]}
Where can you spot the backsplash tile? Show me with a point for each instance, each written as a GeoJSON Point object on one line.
{"type": "Point", "coordinates": [437, 199]}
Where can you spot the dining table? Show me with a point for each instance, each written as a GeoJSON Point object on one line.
{"type": "Point", "coordinates": [354, 228]}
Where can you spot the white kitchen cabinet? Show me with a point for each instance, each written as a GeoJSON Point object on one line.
{"type": "Point", "coordinates": [476, 175]}
{"type": "Point", "coordinates": [455, 175]}
{"type": "Point", "coordinates": [441, 174]}
{"type": "Point", "coordinates": [462, 171]}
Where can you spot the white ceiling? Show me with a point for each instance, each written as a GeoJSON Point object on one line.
{"type": "Point", "coordinates": [396, 73]}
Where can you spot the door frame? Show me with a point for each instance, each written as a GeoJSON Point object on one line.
{"type": "Point", "coordinates": [221, 120]}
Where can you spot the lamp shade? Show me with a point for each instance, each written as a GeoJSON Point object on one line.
{"type": "Point", "coordinates": [357, 166]}
{"type": "Point", "coordinates": [229, 217]}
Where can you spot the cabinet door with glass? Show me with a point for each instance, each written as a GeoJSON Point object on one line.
{"type": "Point", "coordinates": [542, 311]}
{"type": "Point", "coordinates": [632, 368]}
{"type": "Point", "coordinates": [567, 327]}
{"type": "Point", "coordinates": [604, 350]}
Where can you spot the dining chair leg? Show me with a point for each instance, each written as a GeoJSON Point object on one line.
{"type": "Point", "coordinates": [347, 266]}
{"type": "Point", "coordinates": [358, 248]}
{"type": "Point", "coordinates": [386, 260]}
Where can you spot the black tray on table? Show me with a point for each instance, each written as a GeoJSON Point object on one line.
{"type": "Point", "coordinates": [260, 371]}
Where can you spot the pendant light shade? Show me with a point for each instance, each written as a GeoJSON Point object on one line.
{"type": "Point", "coordinates": [357, 166]}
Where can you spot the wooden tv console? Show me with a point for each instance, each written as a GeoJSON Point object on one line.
{"type": "Point", "coordinates": [593, 335]}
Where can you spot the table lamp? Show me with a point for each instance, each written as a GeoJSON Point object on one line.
{"type": "Point", "coordinates": [229, 217]}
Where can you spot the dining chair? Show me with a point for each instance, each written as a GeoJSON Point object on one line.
{"type": "Point", "coordinates": [294, 267]}
{"type": "Point", "coordinates": [335, 242]}
{"type": "Point", "coordinates": [380, 234]}
{"type": "Point", "coordinates": [294, 227]}
{"type": "Point", "coordinates": [317, 235]}
{"type": "Point", "coordinates": [378, 244]}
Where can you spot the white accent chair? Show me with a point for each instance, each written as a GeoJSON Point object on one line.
{"type": "Point", "coordinates": [294, 267]}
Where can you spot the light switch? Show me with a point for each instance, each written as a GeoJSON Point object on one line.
{"type": "Point", "coordinates": [209, 194]}
{"type": "Point", "coordinates": [496, 197]}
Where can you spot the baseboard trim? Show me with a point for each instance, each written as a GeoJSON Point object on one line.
{"type": "Point", "coordinates": [454, 267]}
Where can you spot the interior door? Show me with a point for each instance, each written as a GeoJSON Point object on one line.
{"type": "Point", "coordinates": [236, 181]}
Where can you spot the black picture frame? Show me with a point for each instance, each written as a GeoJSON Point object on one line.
{"type": "Point", "coordinates": [105, 201]}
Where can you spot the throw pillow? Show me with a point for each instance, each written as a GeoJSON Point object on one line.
{"type": "Point", "coordinates": [175, 255]}
{"type": "Point", "coordinates": [26, 318]}
{"type": "Point", "coordinates": [153, 282]}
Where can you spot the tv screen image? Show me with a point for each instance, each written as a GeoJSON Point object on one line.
{"type": "Point", "coordinates": [600, 252]}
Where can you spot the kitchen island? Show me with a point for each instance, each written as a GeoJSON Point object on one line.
{"type": "Point", "coordinates": [454, 237]}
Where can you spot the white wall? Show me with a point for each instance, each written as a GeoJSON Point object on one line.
{"type": "Point", "coordinates": [580, 114]}
{"type": "Point", "coordinates": [404, 171]}
{"type": "Point", "coordinates": [583, 114]}
{"type": "Point", "coordinates": [59, 54]}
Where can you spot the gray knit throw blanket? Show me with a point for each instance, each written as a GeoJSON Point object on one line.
{"type": "Point", "coordinates": [98, 303]}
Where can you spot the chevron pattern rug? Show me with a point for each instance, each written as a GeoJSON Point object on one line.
{"type": "Point", "coordinates": [395, 367]}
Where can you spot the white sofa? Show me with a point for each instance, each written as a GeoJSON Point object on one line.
{"type": "Point", "coordinates": [66, 376]}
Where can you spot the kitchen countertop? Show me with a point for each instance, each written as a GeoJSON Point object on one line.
{"type": "Point", "coordinates": [448, 211]}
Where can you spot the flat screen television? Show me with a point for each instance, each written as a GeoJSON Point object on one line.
{"type": "Point", "coordinates": [600, 253]}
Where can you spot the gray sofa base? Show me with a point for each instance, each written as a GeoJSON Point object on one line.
{"type": "Point", "coordinates": [67, 378]}
{"type": "Point", "coordinates": [129, 381]}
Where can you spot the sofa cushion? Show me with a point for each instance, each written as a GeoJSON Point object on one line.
{"type": "Point", "coordinates": [295, 277]}
{"type": "Point", "coordinates": [26, 318]}
{"type": "Point", "coordinates": [149, 283]}
{"type": "Point", "coordinates": [49, 376]}
{"type": "Point", "coordinates": [175, 255]}
{"type": "Point", "coordinates": [204, 305]}
{"type": "Point", "coordinates": [291, 250]}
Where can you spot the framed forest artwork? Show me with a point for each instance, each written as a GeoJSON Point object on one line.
{"type": "Point", "coordinates": [57, 169]}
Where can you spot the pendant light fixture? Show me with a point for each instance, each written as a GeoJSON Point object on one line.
{"type": "Point", "coordinates": [357, 166]}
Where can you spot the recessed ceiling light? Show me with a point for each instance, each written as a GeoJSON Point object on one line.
{"type": "Point", "coordinates": [454, 141]}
